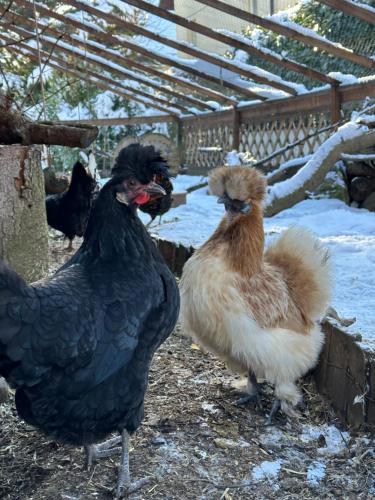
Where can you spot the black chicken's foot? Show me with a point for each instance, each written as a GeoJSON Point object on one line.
{"type": "Point", "coordinates": [102, 450]}
{"type": "Point", "coordinates": [274, 410]}
{"type": "Point", "coordinates": [124, 484]}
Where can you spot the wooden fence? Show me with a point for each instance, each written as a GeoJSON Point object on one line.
{"type": "Point", "coordinates": [263, 128]}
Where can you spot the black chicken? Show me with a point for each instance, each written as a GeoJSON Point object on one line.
{"type": "Point", "coordinates": [68, 212]}
{"type": "Point", "coordinates": [159, 204]}
{"type": "Point", "coordinates": [78, 346]}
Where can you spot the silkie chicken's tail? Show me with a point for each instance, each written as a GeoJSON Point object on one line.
{"type": "Point", "coordinates": [305, 264]}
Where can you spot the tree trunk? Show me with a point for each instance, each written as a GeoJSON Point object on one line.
{"type": "Point", "coordinates": [23, 223]}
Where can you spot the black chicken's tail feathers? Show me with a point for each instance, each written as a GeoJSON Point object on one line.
{"type": "Point", "coordinates": [79, 173]}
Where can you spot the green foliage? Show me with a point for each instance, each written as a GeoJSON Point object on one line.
{"type": "Point", "coordinates": [66, 97]}
{"type": "Point", "coordinates": [336, 26]}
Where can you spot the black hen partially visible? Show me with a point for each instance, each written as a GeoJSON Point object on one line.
{"type": "Point", "coordinates": [78, 347]}
{"type": "Point", "coordinates": [159, 204]}
{"type": "Point", "coordinates": [68, 212]}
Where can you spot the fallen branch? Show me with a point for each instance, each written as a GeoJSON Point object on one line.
{"type": "Point", "coordinates": [350, 138]}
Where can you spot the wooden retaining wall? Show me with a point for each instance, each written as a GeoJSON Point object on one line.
{"type": "Point", "coordinates": [345, 373]}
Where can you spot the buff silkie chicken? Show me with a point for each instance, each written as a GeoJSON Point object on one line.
{"type": "Point", "coordinates": [257, 310]}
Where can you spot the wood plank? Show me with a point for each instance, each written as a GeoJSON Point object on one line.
{"type": "Point", "coordinates": [188, 49]}
{"type": "Point", "coordinates": [231, 41]}
{"type": "Point", "coordinates": [123, 61]}
{"type": "Point", "coordinates": [129, 120]}
{"type": "Point", "coordinates": [138, 49]}
{"type": "Point", "coordinates": [289, 32]}
{"type": "Point", "coordinates": [352, 9]}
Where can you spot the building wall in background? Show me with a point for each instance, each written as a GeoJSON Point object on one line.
{"type": "Point", "coordinates": [215, 19]}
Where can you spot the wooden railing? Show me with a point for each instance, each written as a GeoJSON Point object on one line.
{"type": "Point", "coordinates": [263, 128]}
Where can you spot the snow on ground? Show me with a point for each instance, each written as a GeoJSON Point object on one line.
{"type": "Point", "coordinates": [348, 232]}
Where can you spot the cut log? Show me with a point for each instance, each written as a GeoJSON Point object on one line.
{"type": "Point", "coordinates": [361, 187]}
{"type": "Point", "coordinates": [17, 129]}
{"type": "Point", "coordinates": [359, 169]}
{"type": "Point", "coordinates": [23, 223]}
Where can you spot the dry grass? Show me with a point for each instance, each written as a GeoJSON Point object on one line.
{"type": "Point", "coordinates": [194, 442]}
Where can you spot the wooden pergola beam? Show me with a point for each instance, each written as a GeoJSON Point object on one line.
{"type": "Point", "coordinates": [168, 61]}
{"type": "Point", "coordinates": [90, 48]}
{"type": "Point", "coordinates": [288, 31]}
{"type": "Point", "coordinates": [352, 9]}
{"type": "Point", "coordinates": [111, 82]}
{"type": "Point", "coordinates": [188, 49]}
{"type": "Point", "coordinates": [130, 120]}
{"type": "Point", "coordinates": [233, 42]}
{"type": "Point", "coordinates": [28, 52]}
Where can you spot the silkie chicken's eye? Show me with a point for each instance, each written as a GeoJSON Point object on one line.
{"type": "Point", "coordinates": [132, 183]}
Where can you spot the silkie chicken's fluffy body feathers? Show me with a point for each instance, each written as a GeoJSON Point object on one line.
{"type": "Point", "coordinates": [257, 311]}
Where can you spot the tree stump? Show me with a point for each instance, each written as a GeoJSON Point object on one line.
{"type": "Point", "coordinates": [23, 223]}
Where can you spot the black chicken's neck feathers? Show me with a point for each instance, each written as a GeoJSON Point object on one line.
{"type": "Point", "coordinates": [114, 230]}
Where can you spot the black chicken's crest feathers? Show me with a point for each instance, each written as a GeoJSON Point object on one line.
{"type": "Point", "coordinates": [141, 162]}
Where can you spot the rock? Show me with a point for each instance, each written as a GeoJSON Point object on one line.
{"type": "Point", "coordinates": [369, 202]}
{"type": "Point", "coordinates": [334, 186]}
{"type": "Point", "coordinates": [4, 391]}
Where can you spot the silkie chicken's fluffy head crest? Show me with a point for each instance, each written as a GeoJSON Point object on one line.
{"type": "Point", "coordinates": [141, 162]}
{"type": "Point", "coordinates": [239, 183]}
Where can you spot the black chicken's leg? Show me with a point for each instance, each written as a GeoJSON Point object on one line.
{"type": "Point", "coordinates": [69, 248]}
{"type": "Point", "coordinates": [124, 484]}
{"type": "Point", "coordinates": [253, 394]}
{"type": "Point", "coordinates": [102, 450]}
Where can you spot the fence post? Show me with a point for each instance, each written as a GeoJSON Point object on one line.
{"type": "Point", "coordinates": [236, 129]}
{"type": "Point", "coordinates": [335, 104]}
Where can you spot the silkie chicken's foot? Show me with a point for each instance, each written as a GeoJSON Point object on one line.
{"type": "Point", "coordinates": [253, 393]}
{"type": "Point", "coordinates": [102, 450]}
{"type": "Point", "coordinates": [274, 411]}
{"type": "Point", "coordinates": [124, 484]}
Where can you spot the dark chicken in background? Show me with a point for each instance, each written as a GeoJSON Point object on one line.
{"type": "Point", "coordinates": [78, 347]}
{"type": "Point", "coordinates": [159, 204]}
{"type": "Point", "coordinates": [68, 212]}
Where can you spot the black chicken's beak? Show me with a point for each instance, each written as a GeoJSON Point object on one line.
{"type": "Point", "coordinates": [154, 188]}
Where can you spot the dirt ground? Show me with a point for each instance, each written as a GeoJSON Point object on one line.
{"type": "Point", "coordinates": [196, 443]}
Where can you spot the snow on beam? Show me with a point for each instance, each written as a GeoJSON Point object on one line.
{"type": "Point", "coordinates": [153, 55]}
{"type": "Point", "coordinates": [233, 40]}
{"type": "Point", "coordinates": [361, 10]}
{"type": "Point", "coordinates": [25, 50]}
{"type": "Point", "coordinates": [222, 62]}
{"type": "Point", "coordinates": [291, 30]}
{"type": "Point", "coordinates": [112, 55]}
{"type": "Point", "coordinates": [128, 120]}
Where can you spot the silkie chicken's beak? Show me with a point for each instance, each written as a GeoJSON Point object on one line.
{"type": "Point", "coordinates": [236, 206]}
{"type": "Point", "coordinates": [223, 199]}
{"type": "Point", "coordinates": [154, 188]}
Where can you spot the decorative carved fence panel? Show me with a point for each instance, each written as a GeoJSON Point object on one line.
{"type": "Point", "coordinates": [265, 128]}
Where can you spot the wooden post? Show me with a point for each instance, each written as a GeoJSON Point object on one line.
{"type": "Point", "coordinates": [236, 129]}
{"type": "Point", "coordinates": [335, 104]}
{"type": "Point", "coordinates": [179, 141]}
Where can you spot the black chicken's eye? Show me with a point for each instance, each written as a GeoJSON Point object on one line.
{"type": "Point", "coordinates": [132, 183]}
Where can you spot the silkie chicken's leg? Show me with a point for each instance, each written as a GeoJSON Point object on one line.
{"type": "Point", "coordinates": [274, 410]}
{"type": "Point", "coordinates": [124, 484]}
{"type": "Point", "coordinates": [252, 394]}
